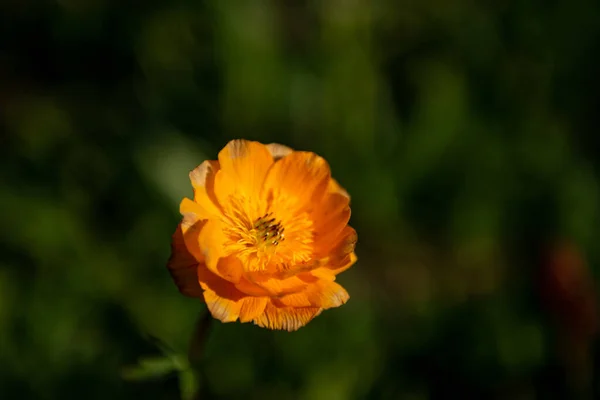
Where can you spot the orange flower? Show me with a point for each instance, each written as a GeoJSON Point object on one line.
{"type": "Point", "coordinates": [264, 237]}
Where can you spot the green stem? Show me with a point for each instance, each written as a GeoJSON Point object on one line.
{"type": "Point", "coordinates": [199, 338]}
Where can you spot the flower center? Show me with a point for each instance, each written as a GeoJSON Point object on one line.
{"type": "Point", "coordinates": [268, 231]}
{"type": "Point", "coordinates": [278, 240]}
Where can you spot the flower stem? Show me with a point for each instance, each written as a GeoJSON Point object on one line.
{"type": "Point", "coordinates": [199, 338]}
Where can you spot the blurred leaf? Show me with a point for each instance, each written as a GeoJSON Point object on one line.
{"type": "Point", "coordinates": [151, 367]}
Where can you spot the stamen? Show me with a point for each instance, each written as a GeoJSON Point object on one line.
{"type": "Point", "coordinates": [259, 242]}
{"type": "Point", "coordinates": [268, 231]}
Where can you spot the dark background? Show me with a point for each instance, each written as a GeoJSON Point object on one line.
{"type": "Point", "coordinates": [466, 133]}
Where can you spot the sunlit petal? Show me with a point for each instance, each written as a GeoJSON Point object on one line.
{"type": "Point", "coordinates": [286, 318]}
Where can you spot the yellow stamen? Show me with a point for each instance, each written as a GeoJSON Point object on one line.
{"type": "Point", "coordinates": [275, 240]}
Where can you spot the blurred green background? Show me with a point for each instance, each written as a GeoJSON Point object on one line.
{"type": "Point", "coordinates": [466, 133]}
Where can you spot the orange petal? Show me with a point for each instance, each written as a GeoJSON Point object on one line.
{"type": "Point", "coordinates": [190, 211]}
{"type": "Point", "coordinates": [244, 165]}
{"type": "Point", "coordinates": [225, 302]}
{"type": "Point", "coordinates": [252, 307]}
{"type": "Point", "coordinates": [212, 242]}
{"type": "Point", "coordinates": [230, 268]}
{"type": "Point", "coordinates": [274, 286]}
{"type": "Point", "coordinates": [191, 226]}
{"type": "Point", "coordinates": [286, 318]}
{"type": "Point", "coordinates": [296, 270]}
{"type": "Point", "coordinates": [340, 254]}
{"type": "Point", "coordinates": [183, 264]}
{"type": "Point", "coordinates": [222, 308]}
{"type": "Point", "coordinates": [298, 180]}
{"type": "Point", "coordinates": [334, 187]}
{"type": "Point", "coordinates": [329, 221]}
{"type": "Point", "coordinates": [278, 151]}
{"type": "Point", "coordinates": [223, 299]}
{"type": "Point", "coordinates": [344, 266]}
{"type": "Point", "coordinates": [251, 289]}
{"type": "Point", "coordinates": [323, 293]}
{"type": "Point", "coordinates": [203, 182]}
{"type": "Point", "coordinates": [328, 272]}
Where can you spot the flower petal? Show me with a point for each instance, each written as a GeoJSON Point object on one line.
{"type": "Point", "coordinates": [222, 308]}
{"type": "Point", "coordinates": [323, 293]}
{"type": "Point", "coordinates": [276, 287]}
{"type": "Point", "coordinates": [183, 263]}
{"type": "Point", "coordinates": [286, 318]}
{"type": "Point", "coordinates": [329, 221]}
{"type": "Point", "coordinates": [212, 241]}
{"type": "Point", "coordinates": [328, 272]}
{"type": "Point", "coordinates": [334, 187]}
{"type": "Point", "coordinates": [278, 151]}
{"type": "Point", "coordinates": [297, 269]}
{"type": "Point", "coordinates": [203, 182]}
{"type": "Point", "coordinates": [251, 289]}
{"type": "Point", "coordinates": [230, 268]}
{"type": "Point", "coordinates": [297, 181]}
{"type": "Point", "coordinates": [244, 165]}
{"type": "Point", "coordinates": [252, 307]}
{"type": "Point", "coordinates": [191, 225]}
{"type": "Point", "coordinates": [190, 211]}
{"type": "Point", "coordinates": [223, 299]}
{"type": "Point", "coordinates": [341, 252]}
